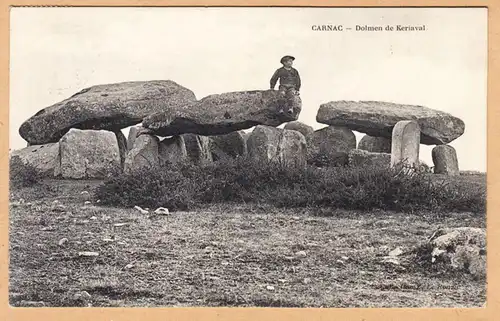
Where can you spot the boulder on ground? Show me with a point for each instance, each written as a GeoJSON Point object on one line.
{"type": "Point", "coordinates": [172, 150]}
{"type": "Point", "coordinates": [359, 157]}
{"type": "Point", "coordinates": [199, 148]}
{"type": "Point", "coordinates": [223, 113]}
{"type": "Point", "coordinates": [231, 145]}
{"type": "Point", "coordinates": [462, 248]}
{"type": "Point", "coordinates": [375, 144]}
{"type": "Point", "coordinates": [379, 118]}
{"type": "Point", "coordinates": [110, 106]}
{"type": "Point", "coordinates": [44, 159]}
{"type": "Point", "coordinates": [277, 145]}
{"type": "Point", "coordinates": [144, 155]}
{"type": "Point", "coordinates": [89, 154]}
{"type": "Point", "coordinates": [445, 160]}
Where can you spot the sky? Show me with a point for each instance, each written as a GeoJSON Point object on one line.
{"type": "Point", "coordinates": [56, 52]}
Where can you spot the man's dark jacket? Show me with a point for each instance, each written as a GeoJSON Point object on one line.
{"type": "Point", "coordinates": [287, 78]}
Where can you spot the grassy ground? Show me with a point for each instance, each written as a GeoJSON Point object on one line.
{"type": "Point", "coordinates": [229, 255]}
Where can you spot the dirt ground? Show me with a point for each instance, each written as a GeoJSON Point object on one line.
{"type": "Point", "coordinates": [68, 253]}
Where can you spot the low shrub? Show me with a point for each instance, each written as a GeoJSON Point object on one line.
{"type": "Point", "coordinates": [21, 174]}
{"type": "Point", "coordinates": [243, 180]}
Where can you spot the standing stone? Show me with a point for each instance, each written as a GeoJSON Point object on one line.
{"type": "Point", "coordinates": [89, 154]}
{"type": "Point", "coordinates": [199, 149]}
{"type": "Point", "coordinates": [405, 143]}
{"type": "Point", "coordinates": [277, 145]}
{"type": "Point", "coordinates": [375, 144]}
{"type": "Point", "coordinates": [304, 129]}
{"type": "Point", "coordinates": [132, 135]}
{"type": "Point", "coordinates": [359, 157]}
{"type": "Point", "coordinates": [43, 158]}
{"type": "Point", "coordinates": [228, 146]}
{"type": "Point", "coordinates": [445, 160]}
{"type": "Point", "coordinates": [172, 150]}
{"type": "Point", "coordinates": [144, 155]}
{"type": "Point", "coordinates": [122, 146]}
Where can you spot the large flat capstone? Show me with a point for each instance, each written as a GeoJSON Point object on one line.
{"type": "Point", "coordinates": [379, 118]}
{"type": "Point", "coordinates": [224, 113]}
{"type": "Point", "coordinates": [110, 107]}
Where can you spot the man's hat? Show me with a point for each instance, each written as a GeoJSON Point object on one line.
{"type": "Point", "coordinates": [286, 58]}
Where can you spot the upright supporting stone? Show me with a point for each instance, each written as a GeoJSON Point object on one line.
{"type": "Point", "coordinates": [302, 128]}
{"type": "Point", "coordinates": [132, 135]}
{"type": "Point", "coordinates": [199, 148]}
{"type": "Point", "coordinates": [445, 160]}
{"type": "Point", "coordinates": [122, 146]}
{"type": "Point", "coordinates": [375, 144]}
{"type": "Point", "coordinates": [268, 143]}
{"type": "Point", "coordinates": [172, 150]}
{"type": "Point", "coordinates": [144, 155]}
{"type": "Point", "coordinates": [405, 143]}
{"type": "Point", "coordinates": [228, 146]}
{"type": "Point", "coordinates": [89, 154]}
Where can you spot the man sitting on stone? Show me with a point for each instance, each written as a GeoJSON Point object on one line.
{"type": "Point", "coordinates": [289, 81]}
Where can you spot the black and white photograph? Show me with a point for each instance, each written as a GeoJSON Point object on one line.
{"type": "Point", "coordinates": [279, 157]}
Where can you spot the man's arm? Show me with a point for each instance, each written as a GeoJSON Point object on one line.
{"type": "Point", "coordinates": [275, 78]}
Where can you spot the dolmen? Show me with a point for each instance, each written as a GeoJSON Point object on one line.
{"type": "Point", "coordinates": [81, 137]}
{"type": "Point", "coordinates": [396, 130]}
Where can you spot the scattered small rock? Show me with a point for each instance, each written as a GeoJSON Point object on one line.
{"type": "Point", "coordinates": [391, 259]}
{"type": "Point", "coordinates": [88, 253]}
{"type": "Point", "coordinates": [87, 203]}
{"type": "Point", "coordinates": [93, 218]}
{"type": "Point", "coordinates": [62, 241]}
{"type": "Point", "coordinates": [270, 287]}
{"type": "Point", "coordinates": [108, 240]}
{"type": "Point", "coordinates": [345, 258]}
{"type": "Point", "coordinates": [143, 211]}
{"type": "Point", "coordinates": [129, 266]}
{"type": "Point", "coordinates": [225, 263]}
{"type": "Point", "coordinates": [296, 217]}
{"type": "Point", "coordinates": [58, 208]}
{"type": "Point", "coordinates": [161, 211]}
{"type": "Point", "coordinates": [282, 280]}
{"type": "Point", "coordinates": [397, 251]}
{"type": "Point", "coordinates": [84, 295]}
{"type": "Point", "coordinates": [301, 254]}
{"type": "Point", "coordinates": [36, 304]}
{"type": "Point", "coordinates": [306, 281]}
{"type": "Point", "coordinates": [119, 224]}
